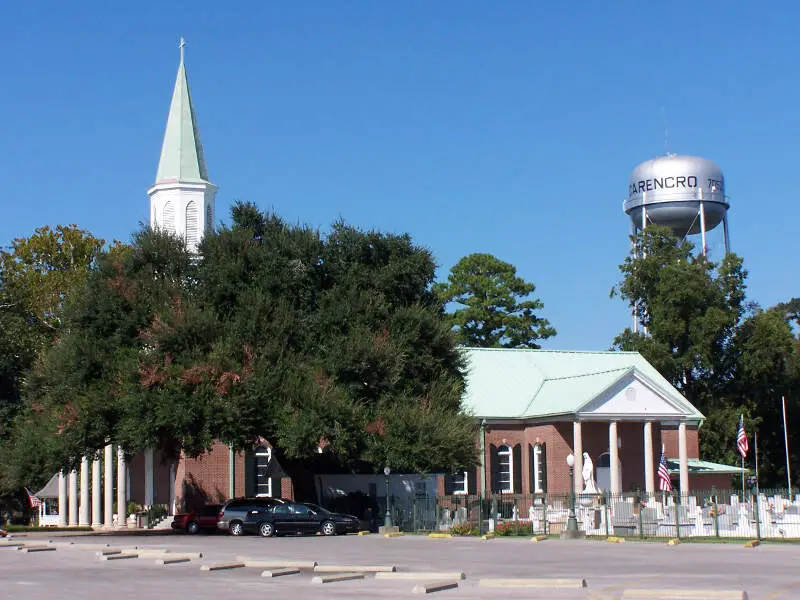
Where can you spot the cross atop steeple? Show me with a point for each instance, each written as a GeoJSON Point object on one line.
{"type": "Point", "coordinates": [181, 46]}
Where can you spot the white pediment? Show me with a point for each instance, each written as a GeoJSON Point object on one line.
{"type": "Point", "coordinates": [632, 397]}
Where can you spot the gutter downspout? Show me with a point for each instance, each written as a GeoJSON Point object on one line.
{"type": "Point", "coordinates": [231, 472]}
{"type": "Point", "coordinates": [483, 458]}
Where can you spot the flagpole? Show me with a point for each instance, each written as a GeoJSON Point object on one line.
{"type": "Point", "coordinates": [743, 478]}
{"type": "Point", "coordinates": [786, 447]}
{"type": "Point", "coordinates": [756, 443]}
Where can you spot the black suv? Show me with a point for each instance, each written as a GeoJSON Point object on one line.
{"type": "Point", "coordinates": [235, 512]}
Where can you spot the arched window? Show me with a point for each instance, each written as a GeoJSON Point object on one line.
{"type": "Point", "coordinates": [505, 469]}
{"type": "Point", "coordinates": [192, 226]}
{"type": "Point", "coordinates": [263, 480]}
{"type": "Point", "coordinates": [169, 218]}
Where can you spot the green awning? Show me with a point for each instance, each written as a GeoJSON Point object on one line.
{"type": "Point", "coordinates": [703, 467]}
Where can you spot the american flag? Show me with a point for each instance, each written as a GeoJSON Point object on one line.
{"type": "Point", "coordinates": [741, 438]}
{"type": "Point", "coordinates": [664, 482]}
{"type": "Point", "coordinates": [35, 502]}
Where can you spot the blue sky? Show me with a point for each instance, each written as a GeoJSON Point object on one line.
{"type": "Point", "coordinates": [508, 127]}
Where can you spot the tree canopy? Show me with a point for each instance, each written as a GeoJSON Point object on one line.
{"type": "Point", "coordinates": [37, 275]}
{"type": "Point", "coordinates": [496, 308]}
{"type": "Point", "coordinates": [309, 341]}
{"type": "Point", "coordinates": [726, 355]}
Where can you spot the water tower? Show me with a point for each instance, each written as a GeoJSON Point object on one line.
{"type": "Point", "coordinates": [684, 193]}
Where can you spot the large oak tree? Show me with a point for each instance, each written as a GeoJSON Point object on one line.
{"type": "Point", "coordinates": [310, 341]}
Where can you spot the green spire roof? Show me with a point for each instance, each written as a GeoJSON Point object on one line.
{"type": "Point", "coordinates": [182, 153]}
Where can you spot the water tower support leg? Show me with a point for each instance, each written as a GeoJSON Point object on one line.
{"type": "Point", "coordinates": [634, 253]}
{"type": "Point", "coordinates": [703, 228]}
{"type": "Point", "coordinates": [725, 232]}
{"type": "Point", "coordinates": [644, 215]}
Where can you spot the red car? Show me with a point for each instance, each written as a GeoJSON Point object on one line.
{"type": "Point", "coordinates": [203, 518]}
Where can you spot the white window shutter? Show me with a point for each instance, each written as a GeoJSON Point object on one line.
{"type": "Point", "coordinates": [169, 217]}
{"type": "Point", "coordinates": [192, 225]}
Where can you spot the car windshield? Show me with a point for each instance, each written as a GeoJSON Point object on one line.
{"type": "Point", "coordinates": [317, 509]}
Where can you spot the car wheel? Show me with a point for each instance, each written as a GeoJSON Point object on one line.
{"type": "Point", "coordinates": [266, 530]}
{"type": "Point", "coordinates": [236, 528]}
{"type": "Point", "coordinates": [328, 528]}
{"type": "Point", "coordinates": [192, 527]}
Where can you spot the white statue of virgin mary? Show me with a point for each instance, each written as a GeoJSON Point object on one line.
{"type": "Point", "coordinates": [589, 486]}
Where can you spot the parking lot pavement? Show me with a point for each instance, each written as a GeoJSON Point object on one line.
{"type": "Point", "coordinates": [767, 572]}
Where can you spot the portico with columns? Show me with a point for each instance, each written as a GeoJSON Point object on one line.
{"type": "Point", "coordinates": [91, 504]}
{"type": "Point", "coordinates": [89, 494]}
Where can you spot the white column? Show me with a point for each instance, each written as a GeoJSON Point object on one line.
{"type": "Point", "coordinates": [73, 498]}
{"type": "Point", "coordinates": [83, 518]}
{"type": "Point", "coordinates": [148, 477]}
{"type": "Point", "coordinates": [577, 450]}
{"type": "Point", "coordinates": [613, 451]}
{"type": "Point", "coordinates": [172, 506]}
{"type": "Point", "coordinates": [683, 457]}
{"type": "Point", "coordinates": [108, 484]}
{"type": "Point", "coordinates": [122, 480]}
{"type": "Point", "coordinates": [97, 517]}
{"type": "Point", "coordinates": [649, 466]}
{"type": "Point", "coordinates": [62, 499]}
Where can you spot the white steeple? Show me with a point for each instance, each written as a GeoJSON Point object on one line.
{"type": "Point", "coordinates": [182, 199]}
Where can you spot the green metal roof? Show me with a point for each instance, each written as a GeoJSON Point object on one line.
{"type": "Point", "coordinates": [181, 153]}
{"type": "Point", "coordinates": [528, 384]}
{"type": "Point", "coordinates": [704, 467]}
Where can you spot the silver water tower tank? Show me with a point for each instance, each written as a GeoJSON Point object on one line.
{"type": "Point", "coordinates": [684, 193]}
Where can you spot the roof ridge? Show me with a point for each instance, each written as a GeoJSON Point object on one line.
{"type": "Point", "coordinates": [628, 368]}
{"type": "Point", "coordinates": [546, 350]}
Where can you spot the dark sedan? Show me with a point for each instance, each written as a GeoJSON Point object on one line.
{"type": "Point", "coordinates": [295, 517]}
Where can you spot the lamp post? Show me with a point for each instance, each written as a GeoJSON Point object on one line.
{"type": "Point", "coordinates": [572, 522]}
{"type": "Point", "coordinates": [387, 519]}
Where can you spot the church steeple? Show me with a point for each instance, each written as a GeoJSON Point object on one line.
{"type": "Point", "coordinates": [182, 199]}
{"type": "Point", "coordinates": [181, 153]}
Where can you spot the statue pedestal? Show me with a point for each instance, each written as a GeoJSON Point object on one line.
{"type": "Point", "coordinates": [383, 529]}
{"type": "Point", "coordinates": [573, 535]}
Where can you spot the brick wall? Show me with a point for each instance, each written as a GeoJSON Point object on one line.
{"type": "Point", "coordinates": [594, 435]}
{"type": "Point", "coordinates": [669, 436]}
{"type": "Point", "coordinates": [135, 477]}
{"type": "Point", "coordinates": [206, 477]}
{"type": "Point", "coordinates": [704, 483]}
{"type": "Point", "coordinates": [287, 489]}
